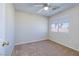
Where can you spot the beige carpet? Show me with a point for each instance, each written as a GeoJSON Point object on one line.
{"type": "Point", "coordinates": [43, 48]}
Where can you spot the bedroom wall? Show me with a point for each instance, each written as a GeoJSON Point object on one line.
{"type": "Point", "coordinates": [70, 39]}
{"type": "Point", "coordinates": [30, 27]}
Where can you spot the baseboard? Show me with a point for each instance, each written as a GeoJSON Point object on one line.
{"type": "Point", "coordinates": [64, 45]}
{"type": "Point", "coordinates": [31, 41]}
{"type": "Point", "coordinates": [49, 39]}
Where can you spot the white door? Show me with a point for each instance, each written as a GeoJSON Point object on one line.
{"type": "Point", "coordinates": [7, 18]}
{"type": "Point", "coordinates": [2, 29]}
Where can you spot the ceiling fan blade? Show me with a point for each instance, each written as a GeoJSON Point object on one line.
{"type": "Point", "coordinates": [40, 10]}
{"type": "Point", "coordinates": [55, 8]}
{"type": "Point", "coordinates": [48, 4]}
{"type": "Point", "coordinates": [41, 4]}
{"type": "Point", "coordinates": [38, 5]}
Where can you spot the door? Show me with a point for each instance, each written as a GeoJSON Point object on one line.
{"type": "Point", "coordinates": [7, 35]}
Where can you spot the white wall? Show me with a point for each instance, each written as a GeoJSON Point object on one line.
{"type": "Point", "coordinates": [10, 27]}
{"type": "Point", "coordinates": [30, 27]}
{"type": "Point", "coordinates": [70, 39]}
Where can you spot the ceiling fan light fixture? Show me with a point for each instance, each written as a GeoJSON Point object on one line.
{"type": "Point", "coordinates": [46, 8]}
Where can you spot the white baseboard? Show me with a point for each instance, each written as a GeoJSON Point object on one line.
{"type": "Point", "coordinates": [46, 39]}
{"type": "Point", "coordinates": [64, 44]}
{"type": "Point", "coordinates": [19, 43]}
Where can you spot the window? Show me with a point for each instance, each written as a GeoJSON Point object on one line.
{"type": "Point", "coordinates": [62, 26]}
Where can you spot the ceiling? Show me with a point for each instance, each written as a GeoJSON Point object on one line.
{"type": "Point", "coordinates": [38, 8]}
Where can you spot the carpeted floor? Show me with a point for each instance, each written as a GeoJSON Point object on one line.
{"type": "Point", "coordinates": [43, 48]}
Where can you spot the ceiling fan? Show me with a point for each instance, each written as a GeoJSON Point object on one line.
{"type": "Point", "coordinates": [45, 6]}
